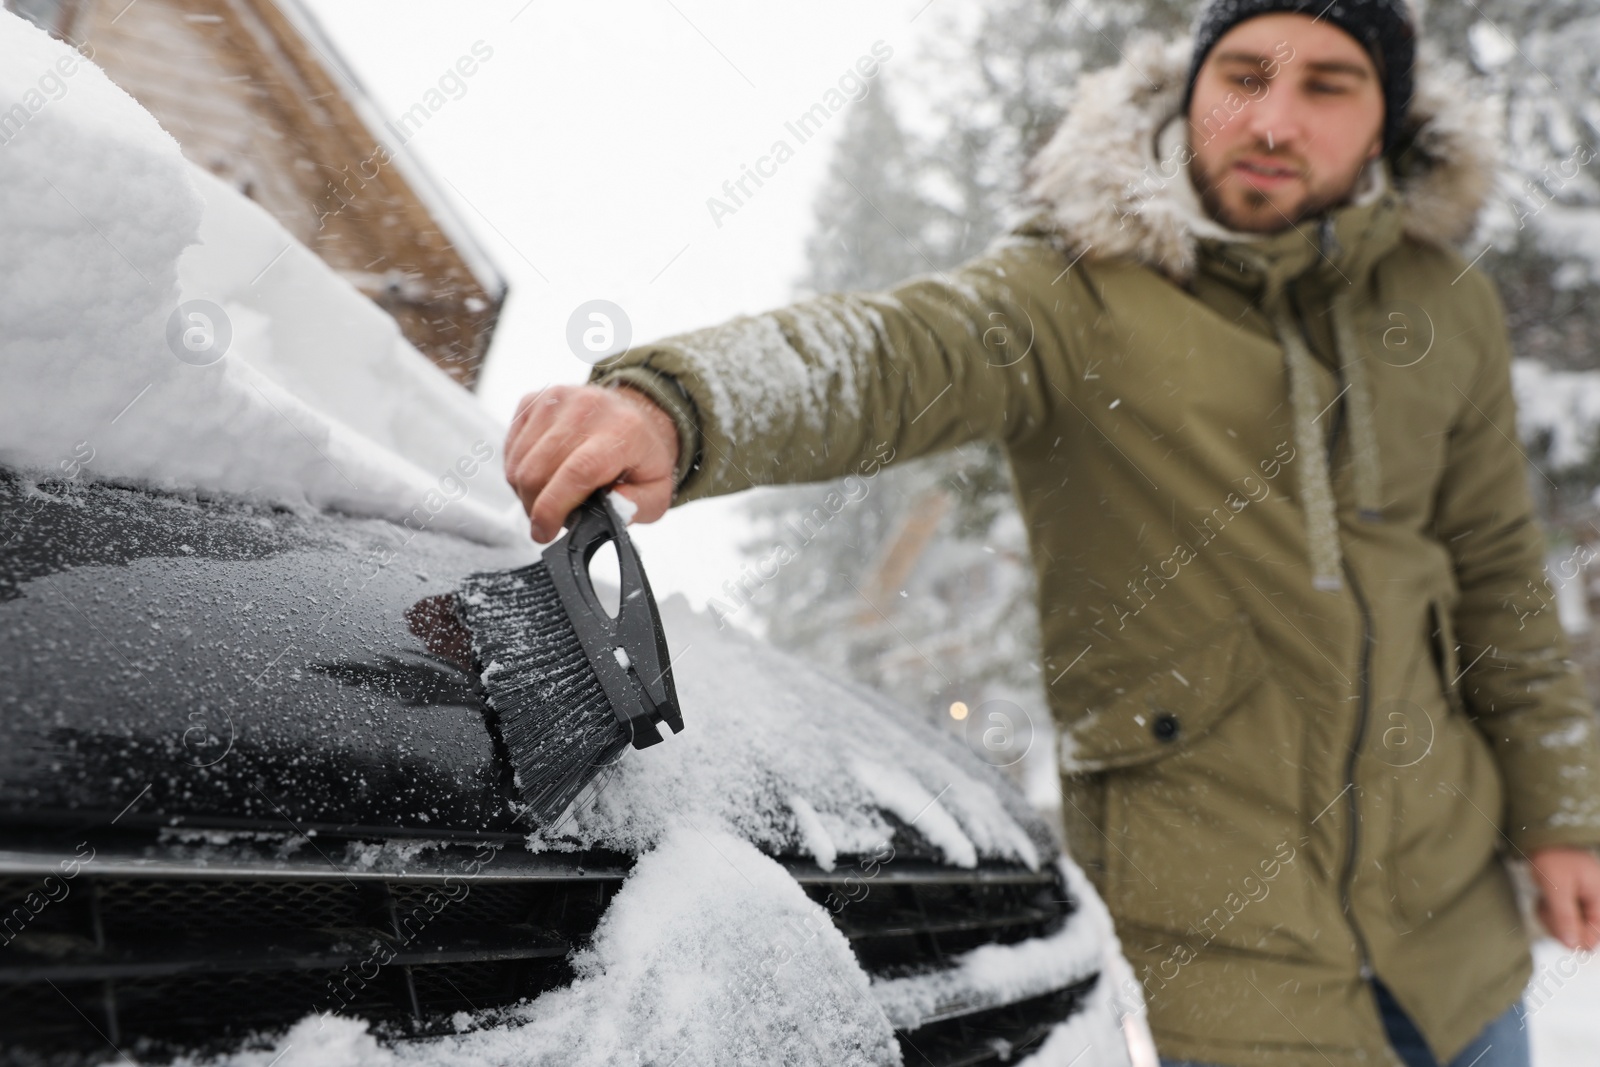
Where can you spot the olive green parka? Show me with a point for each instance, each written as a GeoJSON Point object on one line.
{"type": "Point", "coordinates": [1309, 695]}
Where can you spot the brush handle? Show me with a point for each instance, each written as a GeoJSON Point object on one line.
{"type": "Point", "coordinates": [641, 691]}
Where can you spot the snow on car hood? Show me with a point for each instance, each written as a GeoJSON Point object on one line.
{"type": "Point", "coordinates": [159, 326]}
{"type": "Point", "coordinates": [794, 761]}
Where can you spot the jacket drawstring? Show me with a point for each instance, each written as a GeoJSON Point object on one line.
{"type": "Point", "coordinates": [1316, 482]}
{"type": "Point", "coordinates": [1358, 404]}
{"type": "Point", "coordinates": [1316, 487]}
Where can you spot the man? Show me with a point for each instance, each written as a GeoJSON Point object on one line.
{"type": "Point", "coordinates": [1261, 425]}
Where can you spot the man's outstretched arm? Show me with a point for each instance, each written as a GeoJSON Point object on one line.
{"type": "Point", "coordinates": [1525, 693]}
{"type": "Point", "coordinates": [808, 392]}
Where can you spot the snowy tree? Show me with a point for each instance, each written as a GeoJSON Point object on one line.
{"type": "Point", "coordinates": [1541, 61]}
{"type": "Point", "coordinates": [839, 600]}
{"type": "Point", "coordinates": [868, 215]}
{"type": "Point", "coordinates": [1541, 64]}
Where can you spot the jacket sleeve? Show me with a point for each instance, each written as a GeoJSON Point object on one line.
{"type": "Point", "coordinates": [847, 381]}
{"type": "Point", "coordinates": [1525, 693]}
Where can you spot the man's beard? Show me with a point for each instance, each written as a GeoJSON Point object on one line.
{"type": "Point", "coordinates": [1254, 201]}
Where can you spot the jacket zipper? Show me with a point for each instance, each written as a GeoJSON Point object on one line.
{"type": "Point", "coordinates": [1352, 806]}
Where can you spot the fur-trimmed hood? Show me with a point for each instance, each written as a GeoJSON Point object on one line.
{"type": "Point", "coordinates": [1098, 182]}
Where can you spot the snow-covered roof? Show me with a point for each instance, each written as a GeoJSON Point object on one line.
{"type": "Point", "coordinates": [160, 326]}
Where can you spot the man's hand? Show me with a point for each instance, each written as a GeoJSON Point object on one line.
{"type": "Point", "coordinates": [1568, 880]}
{"type": "Point", "coordinates": [569, 440]}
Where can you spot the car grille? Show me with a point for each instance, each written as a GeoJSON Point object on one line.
{"type": "Point", "coordinates": [916, 920]}
{"type": "Point", "coordinates": [183, 956]}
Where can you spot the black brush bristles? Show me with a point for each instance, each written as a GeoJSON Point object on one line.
{"type": "Point", "coordinates": [558, 727]}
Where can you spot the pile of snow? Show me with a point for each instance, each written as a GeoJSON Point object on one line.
{"type": "Point", "coordinates": [796, 762]}
{"type": "Point", "coordinates": [159, 326]}
{"type": "Point", "coordinates": [710, 953]}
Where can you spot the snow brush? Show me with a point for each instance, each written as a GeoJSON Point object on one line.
{"type": "Point", "coordinates": [569, 685]}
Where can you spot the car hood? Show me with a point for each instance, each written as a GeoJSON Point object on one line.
{"type": "Point", "coordinates": [180, 660]}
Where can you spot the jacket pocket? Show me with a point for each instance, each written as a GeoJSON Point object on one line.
{"type": "Point", "coordinates": [1198, 762]}
{"type": "Point", "coordinates": [1168, 710]}
{"type": "Point", "coordinates": [1446, 653]}
{"type": "Point", "coordinates": [1448, 823]}
{"type": "Point", "coordinates": [1447, 804]}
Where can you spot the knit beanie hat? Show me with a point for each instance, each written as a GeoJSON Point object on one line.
{"type": "Point", "coordinates": [1383, 27]}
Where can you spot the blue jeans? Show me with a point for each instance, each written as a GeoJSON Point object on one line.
{"type": "Point", "coordinates": [1503, 1043]}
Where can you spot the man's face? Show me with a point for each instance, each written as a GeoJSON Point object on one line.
{"type": "Point", "coordinates": [1285, 113]}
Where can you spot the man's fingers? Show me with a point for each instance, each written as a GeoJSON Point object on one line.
{"type": "Point", "coordinates": [586, 469]}
{"type": "Point", "coordinates": [1558, 908]}
{"type": "Point", "coordinates": [548, 439]}
{"type": "Point", "coordinates": [1589, 910]}
{"type": "Point", "coordinates": [536, 413]}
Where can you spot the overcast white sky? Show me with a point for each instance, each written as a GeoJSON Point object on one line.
{"type": "Point", "coordinates": [584, 150]}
